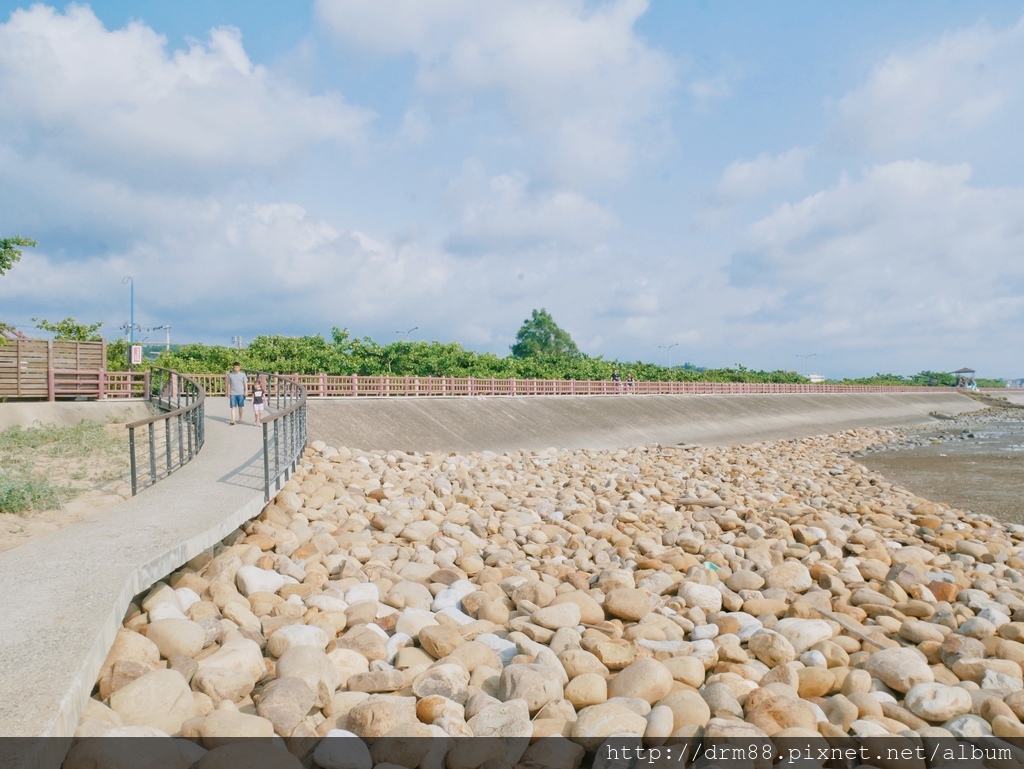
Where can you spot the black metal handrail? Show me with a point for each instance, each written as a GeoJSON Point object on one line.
{"type": "Point", "coordinates": [284, 431]}
{"type": "Point", "coordinates": [175, 436]}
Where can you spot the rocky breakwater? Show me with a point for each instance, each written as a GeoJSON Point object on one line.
{"type": "Point", "coordinates": [771, 590]}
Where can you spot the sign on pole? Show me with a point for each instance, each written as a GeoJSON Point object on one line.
{"type": "Point", "coordinates": [136, 354]}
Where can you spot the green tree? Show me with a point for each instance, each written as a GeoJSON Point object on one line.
{"type": "Point", "coordinates": [10, 252]}
{"type": "Point", "coordinates": [541, 337]}
{"type": "Point", "coordinates": [71, 329]}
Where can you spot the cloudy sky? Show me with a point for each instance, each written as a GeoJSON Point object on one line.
{"type": "Point", "coordinates": [752, 182]}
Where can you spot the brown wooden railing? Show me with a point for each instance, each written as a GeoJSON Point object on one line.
{"type": "Point", "coordinates": [331, 386]}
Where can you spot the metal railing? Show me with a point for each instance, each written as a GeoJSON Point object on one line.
{"type": "Point", "coordinates": [351, 385]}
{"type": "Point", "coordinates": [170, 439]}
{"type": "Point", "coordinates": [284, 430]}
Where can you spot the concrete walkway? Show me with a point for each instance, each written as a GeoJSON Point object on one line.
{"type": "Point", "coordinates": [64, 596]}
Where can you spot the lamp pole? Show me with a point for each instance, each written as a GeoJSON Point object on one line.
{"type": "Point", "coordinates": [131, 322]}
{"type": "Point", "coordinates": [669, 348]}
{"type": "Point", "coordinates": [806, 357]}
{"type": "Point", "coordinates": [414, 328]}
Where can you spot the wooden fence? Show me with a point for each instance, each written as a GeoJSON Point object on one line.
{"type": "Point", "coordinates": [330, 386]}
{"type": "Point", "coordinates": [36, 368]}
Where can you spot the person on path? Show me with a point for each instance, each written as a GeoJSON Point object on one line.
{"type": "Point", "coordinates": [236, 386]}
{"type": "Point", "coordinates": [259, 392]}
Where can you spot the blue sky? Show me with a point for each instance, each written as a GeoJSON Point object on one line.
{"type": "Point", "coordinates": [753, 182]}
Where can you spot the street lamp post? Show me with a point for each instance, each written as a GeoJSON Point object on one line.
{"type": "Point", "coordinates": [806, 357]}
{"type": "Point", "coordinates": [414, 328]}
{"type": "Point", "coordinates": [131, 322]}
{"type": "Point", "coordinates": [669, 348]}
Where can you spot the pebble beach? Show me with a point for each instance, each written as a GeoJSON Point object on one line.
{"type": "Point", "coordinates": [773, 590]}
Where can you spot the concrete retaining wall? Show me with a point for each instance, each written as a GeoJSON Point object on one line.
{"type": "Point", "coordinates": [611, 421]}
{"type": "Point", "coordinates": [64, 414]}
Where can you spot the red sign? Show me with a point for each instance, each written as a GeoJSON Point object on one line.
{"type": "Point", "coordinates": [136, 354]}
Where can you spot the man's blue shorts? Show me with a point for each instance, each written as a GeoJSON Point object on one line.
{"type": "Point", "coordinates": [238, 401]}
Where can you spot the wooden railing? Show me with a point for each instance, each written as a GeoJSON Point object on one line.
{"type": "Point", "coordinates": [333, 386]}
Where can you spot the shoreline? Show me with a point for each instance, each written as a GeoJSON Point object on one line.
{"type": "Point", "coordinates": [973, 462]}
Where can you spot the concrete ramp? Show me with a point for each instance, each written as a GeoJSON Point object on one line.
{"type": "Point", "coordinates": [610, 421]}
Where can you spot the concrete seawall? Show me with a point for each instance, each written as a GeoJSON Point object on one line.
{"type": "Point", "coordinates": [610, 421]}
{"type": "Point", "coordinates": [66, 413]}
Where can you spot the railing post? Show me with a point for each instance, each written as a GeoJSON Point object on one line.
{"type": "Point", "coordinates": [131, 452]}
{"type": "Point", "coordinates": [152, 453]}
{"type": "Point", "coordinates": [266, 466]}
{"type": "Point", "coordinates": [355, 384]}
{"type": "Point", "coordinates": [277, 450]}
{"type": "Point", "coordinates": [51, 385]}
{"type": "Point", "coordinates": [167, 442]}
{"type": "Point", "coordinates": [323, 384]}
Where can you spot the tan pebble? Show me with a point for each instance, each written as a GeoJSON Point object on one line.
{"type": "Point", "coordinates": [866, 704]}
{"type": "Point", "coordinates": [646, 679]}
{"type": "Point", "coordinates": [586, 689]}
{"type": "Point", "coordinates": [814, 682]}
{"type": "Point", "coordinates": [688, 709]}
{"type": "Point", "coordinates": [632, 604]}
{"type": "Point", "coordinates": [686, 670]}
{"type": "Point", "coordinates": [1005, 727]}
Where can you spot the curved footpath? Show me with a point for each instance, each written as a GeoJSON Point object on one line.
{"type": "Point", "coordinates": [65, 595]}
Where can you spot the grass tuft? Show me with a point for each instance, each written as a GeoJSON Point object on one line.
{"type": "Point", "coordinates": [20, 494]}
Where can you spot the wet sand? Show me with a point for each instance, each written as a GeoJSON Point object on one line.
{"type": "Point", "coordinates": [983, 474]}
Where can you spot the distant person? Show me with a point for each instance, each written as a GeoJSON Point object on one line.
{"type": "Point", "coordinates": [629, 382]}
{"type": "Point", "coordinates": [259, 393]}
{"type": "Point", "coordinates": [617, 379]}
{"type": "Point", "coordinates": [236, 386]}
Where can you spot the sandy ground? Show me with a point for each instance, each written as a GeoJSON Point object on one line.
{"type": "Point", "coordinates": [984, 475]}
{"type": "Point", "coordinates": [98, 482]}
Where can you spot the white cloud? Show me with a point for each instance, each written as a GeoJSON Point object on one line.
{"type": "Point", "coordinates": [266, 265]}
{"type": "Point", "coordinates": [505, 214]}
{"type": "Point", "coordinates": [939, 91]}
{"type": "Point", "coordinates": [752, 178]}
{"type": "Point", "coordinates": [910, 258]}
{"type": "Point", "coordinates": [575, 76]}
{"type": "Point", "coordinates": [711, 88]}
{"type": "Point", "coordinates": [118, 103]}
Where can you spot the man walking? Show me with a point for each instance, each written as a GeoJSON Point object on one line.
{"type": "Point", "coordinates": [236, 386]}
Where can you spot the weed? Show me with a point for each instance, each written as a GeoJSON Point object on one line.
{"type": "Point", "coordinates": [36, 459]}
{"type": "Point", "coordinates": [19, 494]}
{"type": "Point", "coordinates": [79, 440]}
